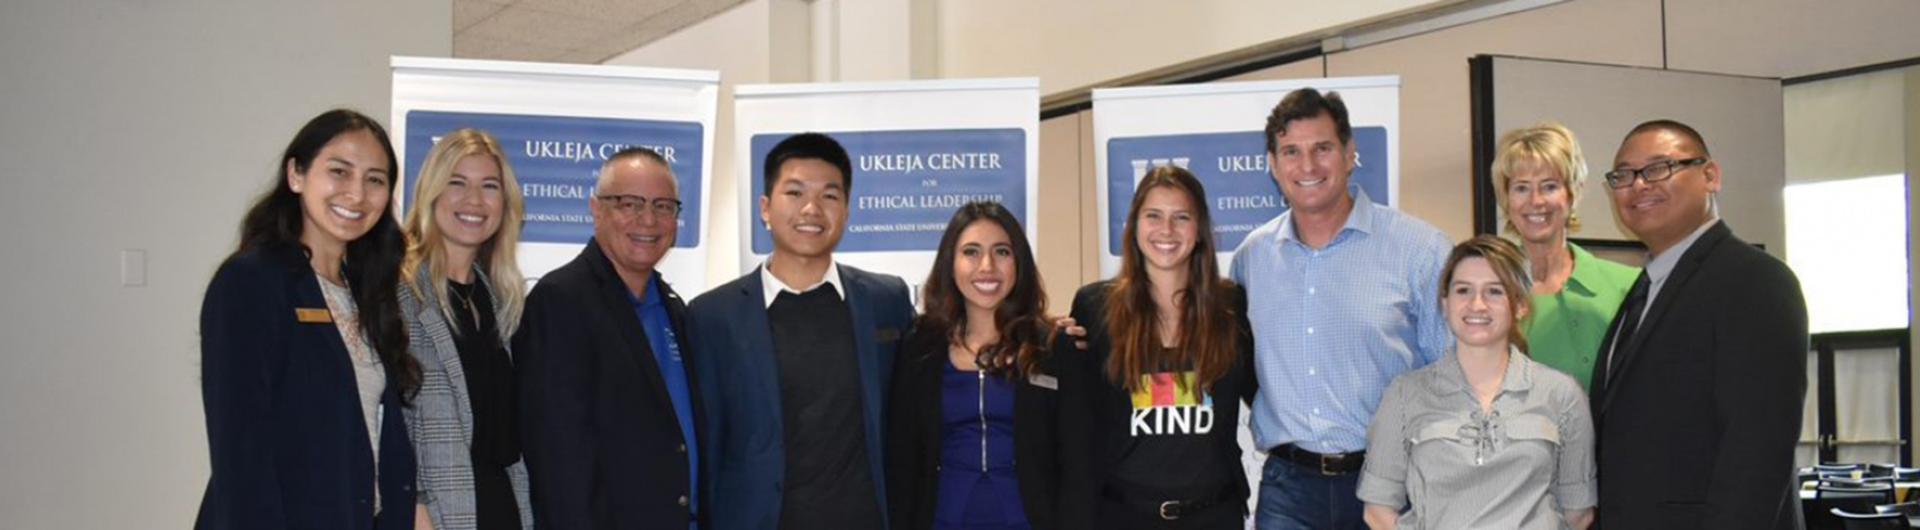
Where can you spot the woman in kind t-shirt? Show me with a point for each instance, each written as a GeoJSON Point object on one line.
{"type": "Point", "coordinates": [1152, 405]}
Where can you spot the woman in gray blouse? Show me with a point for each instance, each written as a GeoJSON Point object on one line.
{"type": "Point", "coordinates": [1486, 437]}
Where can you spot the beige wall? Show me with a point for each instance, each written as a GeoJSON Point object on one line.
{"type": "Point", "coordinates": [152, 126]}
{"type": "Point", "coordinates": [1435, 146]}
{"type": "Point", "coordinates": [1913, 232]}
{"type": "Point", "coordinates": [751, 31]}
{"type": "Point", "coordinates": [1435, 126]}
{"type": "Point", "coordinates": [1788, 38]}
{"type": "Point", "coordinates": [1077, 43]}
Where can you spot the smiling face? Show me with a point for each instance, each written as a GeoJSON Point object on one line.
{"type": "Point", "coordinates": [983, 265]}
{"type": "Point", "coordinates": [806, 208]}
{"type": "Point", "coordinates": [1166, 230]}
{"type": "Point", "coordinates": [469, 208]}
{"type": "Point", "coordinates": [1479, 310]}
{"type": "Point", "coordinates": [1538, 203]}
{"type": "Point", "coordinates": [1312, 165]}
{"type": "Point", "coordinates": [635, 241]}
{"type": "Point", "coordinates": [343, 192]}
{"type": "Point", "coordinates": [1665, 212]}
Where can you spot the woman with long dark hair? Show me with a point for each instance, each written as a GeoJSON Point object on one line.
{"type": "Point", "coordinates": [1154, 403]}
{"type": "Point", "coordinates": [461, 301]}
{"type": "Point", "coordinates": [304, 364]}
{"type": "Point", "coordinates": [971, 430]}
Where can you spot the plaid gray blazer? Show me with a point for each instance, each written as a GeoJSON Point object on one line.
{"type": "Point", "coordinates": [440, 421]}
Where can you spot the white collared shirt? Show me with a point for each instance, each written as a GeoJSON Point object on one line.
{"type": "Point", "coordinates": [771, 286]}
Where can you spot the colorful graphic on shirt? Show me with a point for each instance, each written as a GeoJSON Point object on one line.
{"type": "Point", "coordinates": [1171, 403]}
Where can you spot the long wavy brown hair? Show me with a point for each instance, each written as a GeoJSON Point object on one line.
{"type": "Point", "coordinates": [371, 265]}
{"type": "Point", "coordinates": [1208, 339]}
{"type": "Point", "coordinates": [1021, 317]}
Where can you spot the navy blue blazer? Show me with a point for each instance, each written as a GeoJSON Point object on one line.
{"type": "Point", "coordinates": [284, 425]}
{"type": "Point", "coordinates": [602, 442]}
{"type": "Point", "coordinates": [745, 462]}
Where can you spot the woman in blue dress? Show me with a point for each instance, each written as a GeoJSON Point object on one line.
{"type": "Point", "coordinates": [972, 409]}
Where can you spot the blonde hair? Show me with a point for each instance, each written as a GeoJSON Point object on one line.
{"type": "Point", "coordinates": [499, 268]}
{"type": "Point", "coordinates": [1545, 145]}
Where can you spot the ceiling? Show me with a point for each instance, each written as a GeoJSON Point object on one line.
{"type": "Point", "coordinates": [569, 31]}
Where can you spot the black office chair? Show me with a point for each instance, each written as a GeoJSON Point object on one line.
{"type": "Point", "coordinates": [1868, 521]}
{"type": "Point", "coordinates": [1909, 509]}
{"type": "Point", "coordinates": [1837, 468]}
{"type": "Point", "coordinates": [1856, 483]}
{"type": "Point", "coordinates": [1830, 499]}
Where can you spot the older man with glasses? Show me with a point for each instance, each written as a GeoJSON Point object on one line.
{"type": "Point", "coordinates": [609, 407]}
{"type": "Point", "coordinates": [1699, 383]}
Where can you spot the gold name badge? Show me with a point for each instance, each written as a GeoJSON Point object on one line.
{"type": "Point", "coordinates": [310, 315]}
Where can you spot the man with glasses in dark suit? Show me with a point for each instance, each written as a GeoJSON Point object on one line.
{"type": "Point", "coordinates": [609, 408]}
{"type": "Point", "coordinates": [1699, 383]}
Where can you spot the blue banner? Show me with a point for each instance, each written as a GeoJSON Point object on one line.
{"type": "Point", "coordinates": [1241, 192]}
{"type": "Point", "coordinates": [907, 184]}
{"type": "Point", "coordinates": [557, 161]}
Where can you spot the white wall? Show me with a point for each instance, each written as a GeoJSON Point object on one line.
{"type": "Point", "coordinates": [146, 125]}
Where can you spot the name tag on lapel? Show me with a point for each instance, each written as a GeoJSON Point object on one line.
{"type": "Point", "coordinates": [886, 335]}
{"type": "Point", "coordinates": [312, 315]}
{"type": "Point", "coordinates": [1045, 381]}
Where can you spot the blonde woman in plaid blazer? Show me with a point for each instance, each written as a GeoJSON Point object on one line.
{"type": "Point", "coordinates": [461, 300]}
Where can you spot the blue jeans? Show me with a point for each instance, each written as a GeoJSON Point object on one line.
{"type": "Point", "coordinates": [1293, 497]}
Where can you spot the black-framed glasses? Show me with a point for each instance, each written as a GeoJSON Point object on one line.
{"type": "Point", "coordinates": [632, 205]}
{"type": "Point", "coordinates": [1655, 172]}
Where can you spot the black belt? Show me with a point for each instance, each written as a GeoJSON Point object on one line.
{"type": "Point", "coordinates": [1168, 509]}
{"type": "Point", "coordinates": [1335, 464]}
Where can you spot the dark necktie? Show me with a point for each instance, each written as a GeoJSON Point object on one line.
{"type": "Point", "coordinates": [1636, 307]}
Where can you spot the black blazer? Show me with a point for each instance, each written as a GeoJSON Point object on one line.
{"type": "Point", "coordinates": [1697, 426]}
{"type": "Point", "coordinates": [602, 441]}
{"type": "Point", "coordinates": [914, 435]}
{"type": "Point", "coordinates": [1096, 414]}
{"type": "Point", "coordinates": [285, 430]}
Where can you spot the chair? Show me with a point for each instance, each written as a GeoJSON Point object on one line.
{"type": "Point", "coordinates": [1856, 483]}
{"type": "Point", "coordinates": [1909, 509]}
{"type": "Point", "coordinates": [1837, 468]}
{"type": "Point", "coordinates": [1820, 510]}
{"type": "Point", "coordinates": [1868, 521]}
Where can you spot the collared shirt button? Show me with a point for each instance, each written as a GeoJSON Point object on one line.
{"type": "Point", "coordinates": [1309, 331]}
{"type": "Point", "coordinates": [1311, 371]}
{"type": "Point", "coordinates": [683, 500]}
{"type": "Point", "coordinates": [1310, 290]}
{"type": "Point", "coordinates": [682, 449]}
{"type": "Point", "coordinates": [1316, 411]}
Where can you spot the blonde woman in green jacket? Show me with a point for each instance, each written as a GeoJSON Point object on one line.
{"type": "Point", "coordinates": [1538, 173]}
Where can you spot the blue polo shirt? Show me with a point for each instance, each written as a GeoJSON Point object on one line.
{"type": "Point", "coordinates": [666, 352]}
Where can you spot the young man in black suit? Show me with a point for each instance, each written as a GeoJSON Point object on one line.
{"type": "Point", "coordinates": [1699, 384]}
{"type": "Point", "coordinates": [796, 358]}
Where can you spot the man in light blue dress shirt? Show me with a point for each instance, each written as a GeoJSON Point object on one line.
{"type": "Point", "coordinates": [1343, 296]}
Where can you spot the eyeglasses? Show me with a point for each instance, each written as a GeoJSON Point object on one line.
{"type": "Point", "coordinates": [1655, 172]}
{"type": "Point", "coordinates": [632, 205]}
